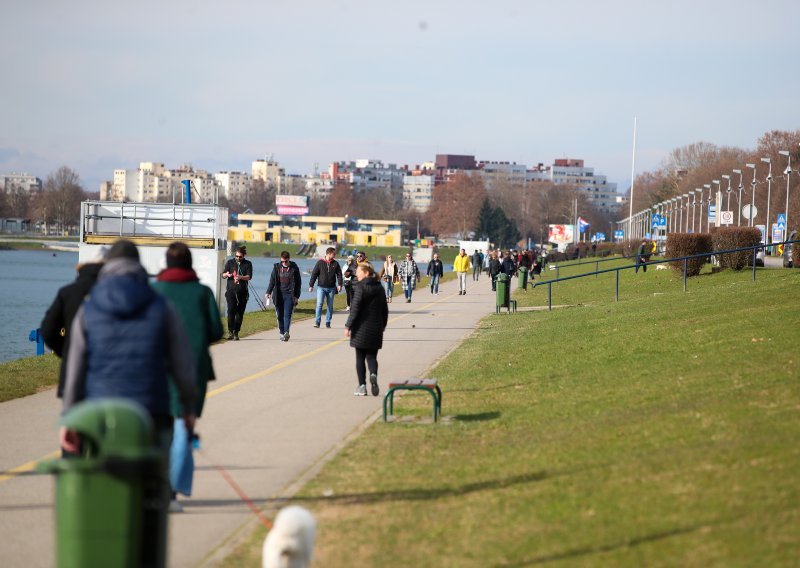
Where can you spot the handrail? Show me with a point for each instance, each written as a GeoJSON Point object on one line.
{"type": "Point", "coordinates": [596, 263]}
{"type": "Point", "coordinates": [685, 260]}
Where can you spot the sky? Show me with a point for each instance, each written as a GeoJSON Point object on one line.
{"type": "Point", "coordinates": [99, 85]}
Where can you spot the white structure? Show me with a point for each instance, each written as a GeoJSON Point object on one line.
{"type": "Point", "coordinates": [418, 190]}
{"type": "Point", "coordinates": [601, 193]}
{"type": "Point", "coordinates": [234, 185]}
{"type": "Point", "coordinates": [365, 175]}
{"type": "Point", "coordinates": [21, 181]}
{"type": "Point", "coordinates": [511, 172]}
{"type": "Point", "coordinates": [150, 182]}
{"type": "Point", "coordinates": [269, 172]}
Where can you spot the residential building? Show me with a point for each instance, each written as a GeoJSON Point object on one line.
{"type": "Point", "coordinates": [509, 172]}
{"type": "Point", "coordinates": [316, 229]}
{"type": "Point", "coordinates": [233, 185]}
{"type": "Point", "coordinates": [418, 188]}
{"type": "Point", "coordinates": [268, 171]}
{"type": "Point", "coordinates": [27, 182]}
{"type": "Point", "coordinates": [568, 171]}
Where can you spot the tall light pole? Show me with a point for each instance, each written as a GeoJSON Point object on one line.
{"type": "Point", "coordinates": [694, 207]}
{"type": "Point", "coordinates": [700, 189]}
{"type": "Point", "coordinates": [680, 213]}
{"type": "Point", "coordinates": [728, 191]}
{"type": "Point", "coordinates": [788, 173]}
{"type": "Point", "coordinates": [686, 195]}
{"type": "Point", "coordinates": [739, 202]}
{"type": "Point", "coordinates": [718, 202]}
{"type": "Point", "coordinates": [753, 196]}
{"type": "Point", "coordinates": [708, 208]}
{"type": "Point", "coordinates": [768, 229]}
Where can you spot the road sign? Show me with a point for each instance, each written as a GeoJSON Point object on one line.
{"type": "Point", "coordinates": [726, 217]}
{"type": "Point", "coordinates": [763, 229]}
{"type": "Point", "coordinates": [599, 236]}
{"type": "Point", "coordinates": [781, 221]}
{"type": "Point", "coordinates": [777, 233]}
{"type": "Point", "coordinates": [748, 209]}
{"type": "Point", "coordinates": [619, 234]}
{"type": "Point", "coordinates": [712, 213]}
{"type": "Point", "coordinates": [662, 222]}
{"type": "Point", "coordinates": [654, 222]}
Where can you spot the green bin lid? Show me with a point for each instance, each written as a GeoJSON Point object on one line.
{"type": "Point", "coordinates": [114, 426]}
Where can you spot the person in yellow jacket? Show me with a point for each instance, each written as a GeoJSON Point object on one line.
{"type": "Point", "coordinates": [461, 266]}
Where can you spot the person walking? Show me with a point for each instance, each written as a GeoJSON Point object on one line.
{"type": "Point", "coordinates": [57, 321]}
{"type": "Point", "coordinates": [409, 274]}
{"type": "Point", "coordinates": [365, 325]}
{"type": "Point", "coordinates": [435, 271]}
{"type": "Point", "coordinates": [508, 266]}
{"type": "Point", "coordinates": [128, 341]}
{"type": "Point", "coordinates": [197, 308]}
{"type": "Point", "coordinates": [461, 267]}
{"type": "Point", "coordinates": [348, 278]}
{"type": "Point", "coordinates": [389, 276]}
{"type": "Point", "coordinates": [328, 275]}
{"type": "Point", "coordinates": [238, 271]}
{"type": "Point", "coordinates": [641, 257]}
{"type": "Point", "coordinates": [284, 283]}
{"type": "Point", "coordinates": [477, 262]}
{"type": "Point", "coordinates": [495, 268]}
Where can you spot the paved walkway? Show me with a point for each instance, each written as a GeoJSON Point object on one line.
{"type": "Point", "coordinates": [276, 410]}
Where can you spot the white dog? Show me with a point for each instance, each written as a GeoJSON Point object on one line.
{"type": "Point", "coordinates": [291, 541]}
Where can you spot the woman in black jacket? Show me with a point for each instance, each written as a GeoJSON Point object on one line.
{"type": "Point", "coordinates": [494, 269]}
{"type": "Point", "coordinates": [368, 317]}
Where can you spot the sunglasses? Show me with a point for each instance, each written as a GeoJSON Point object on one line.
{"type": "Point", "coordinates": [239, 256]}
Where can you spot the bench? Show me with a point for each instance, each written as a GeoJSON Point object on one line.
{"type": "Point", "coordinates": [428, 385]}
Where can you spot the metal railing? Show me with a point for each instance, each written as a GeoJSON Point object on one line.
{"type": "Point", "coordinates": [597, 262]}
{"type": "Point", "coordinates": [685, 259]}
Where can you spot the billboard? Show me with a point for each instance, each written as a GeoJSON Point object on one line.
{"type": "Point", "coordinates": [291, 204]}
{"type": "Point", "coordinates": [561, 233]}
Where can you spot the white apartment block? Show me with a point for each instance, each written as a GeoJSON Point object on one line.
{"type": "Point", "coordinates": [365, 175]}
{"type": "Point", "coordinates": [493, 172]}
{"type": "Point", "coordinates": [234, 186]}
{"type": "Point", "coordinates": [418, 191]}
{"type": "Point", "coordinates": [601, 192]}
{"type": "Point", "coordinates": [26, 182]}
{"type": "Point", "coordinates": [151, 181]}
{"type": "Point", "coordinates": [269, 172]}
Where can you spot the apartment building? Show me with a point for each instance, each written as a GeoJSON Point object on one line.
{"type": "Point", "coordinates": [26, 182]}
{"type": "Point", "coordinates": [569, 171]}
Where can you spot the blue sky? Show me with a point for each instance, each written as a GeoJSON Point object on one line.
{"type": "Point", "coordinates": [100, 85]}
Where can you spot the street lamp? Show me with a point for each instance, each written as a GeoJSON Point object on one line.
{"type": "Point", "coordinates": [694, 206]}
{"type": "Point", "coordinates": [708, 207]}
{"type": "Point", "coordinates": [739, 202]}
{"type": "Point", "coordinates": [728, 191]}
{"type": "Point", "coordinates": [788, 173]}
{"type": "Point", "coordinates": [767, 228]}
{"type": "Point", "coordinates": [753, 202]}
{"type": "Point", "coordinates": [680, 213]}
{"type": "Point", "coordinates": [686, 195]}
{"type": "Point", "coordinates": [717, 202]}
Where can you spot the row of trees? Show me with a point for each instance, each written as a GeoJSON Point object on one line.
{"type": "Point", "coordinates": [690, 167]}
{"type": "Point", "coordinates": [56, 207]}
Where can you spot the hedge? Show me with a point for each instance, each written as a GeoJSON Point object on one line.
{"type": "Point", "coordinates": [728, 238]}
{"type": "Point", "coordinates": [688, 244]}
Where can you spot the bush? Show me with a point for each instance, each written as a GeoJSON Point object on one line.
{"type": "Point", "coordinates": [688, 244]}
{"type": "Point", "coordinates": [728, 238]}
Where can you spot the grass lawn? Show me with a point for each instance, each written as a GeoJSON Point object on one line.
{"type": "Point", "coordinates": [660, 430]}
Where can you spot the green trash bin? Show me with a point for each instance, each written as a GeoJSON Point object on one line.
{"type": "Point", "coordinates": [503, 294]}
{"type": "Point", "coordinates": [111, 501]}
{"type": "Point", "coordinates": [522, 278]}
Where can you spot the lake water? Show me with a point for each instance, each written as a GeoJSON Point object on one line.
{"type": "Point", "coordinates": [29, 281]}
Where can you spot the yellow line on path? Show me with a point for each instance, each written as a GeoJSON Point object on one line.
{"type": "Point", "coordinates": [31, 465]}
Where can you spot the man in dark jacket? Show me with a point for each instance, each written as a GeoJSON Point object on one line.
{"type": "Point", "coordinates": [57, 321]}
{"type": "Point", "coordinates": [285, 284]}
{"type": "Point", "coordinates": [508, 265]}
{"type": "Point", "coordinates": [369, 315]}
{"type": "Point", "coordinates": [477, 264]}
{"type": "Point", "coordinates": [127, 341]}
{"type": "Point", "coordinates": [435, 271]}
{"type": "Point", "coordinates": [328, 275]}
{"type": "Point", "coordinates": [495, 268]}
{"type": "Point", "coordinates": [238, 271]}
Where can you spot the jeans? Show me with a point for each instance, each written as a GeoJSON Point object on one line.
{"type": "Point", "coordinates": [409, 287]}
{"type": "Point", "coordinates": [435, 283]}
{"type": "Point", "coordinates": [181, 460]}
{"type": "Point", "coordinates": [364, 358]}
{"type": "Point", "coordinates": [284, 306]}
{"type": "Point", "coordinates": [322, 295]}
{"type": "Point", "coordinates": [388, 287]}
{"type": "Point", "coordinates": [462, 281]}
{"type": "Point", "coordinates": [236, 306]}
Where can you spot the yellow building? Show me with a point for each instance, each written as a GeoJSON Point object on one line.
{"type": "Point", "coordinates": [315, 229]}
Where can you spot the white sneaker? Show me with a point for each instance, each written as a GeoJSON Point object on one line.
{"type": "Point", "coordinates": [361, 391]}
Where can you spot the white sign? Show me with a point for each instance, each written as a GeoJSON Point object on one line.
{"type": "Point", "coordinates": [291, 200]}
{"type": "Point", "coordinates": [749, 211]}
{"type": "Point", "coordinates": [726, 217]}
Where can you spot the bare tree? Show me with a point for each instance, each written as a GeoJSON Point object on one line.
{"type": "Point", "coordinates": [456, 204]}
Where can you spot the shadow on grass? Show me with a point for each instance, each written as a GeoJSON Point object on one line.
{"type": "Point", "coordinates": [589, 550]}
{"type": "Point", "coordinates": [429, 494]}
{"type": "Point", "coordinates": [479, 417]}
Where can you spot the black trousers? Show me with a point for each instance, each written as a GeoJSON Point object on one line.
{"type": "Point", "coordinates": [366, 358]}
{"type": "Point", "coordinates": [237, 302]}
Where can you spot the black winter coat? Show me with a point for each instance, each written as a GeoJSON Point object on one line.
{"type": "Point", "coordinates": [58, 319]}
{"type": "Point", "coordinates": [368, 315]}
{"type": "Point", "coordinates": [494, 267]}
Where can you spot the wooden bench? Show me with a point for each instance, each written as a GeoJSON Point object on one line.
{"type": "Point", "coordinates": [428, 385]}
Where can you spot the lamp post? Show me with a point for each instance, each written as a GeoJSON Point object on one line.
{"type": "Point", "coordinates": [788, 173]}
{"type": "Point", "coordinates": [700, 189]}
{"type": "Point", "coordinates": [728, 191]}
{"type": "Point", "coordinates": [686, 195]}
{"type": "Point", "coordinates": [708, 208]}
{"type": "Point", "coordinates": [717, 201]}
{"type": "Point", "coordinates": [739, 202]}
{"type": "Point", "coordinates": [768, 229]}
{"type": "Point", "coordinates": [694, 207]}
{"type": "Point", "coordinates": [753, 196]}
{"type": "Point", "coordinates": [680, 213]}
